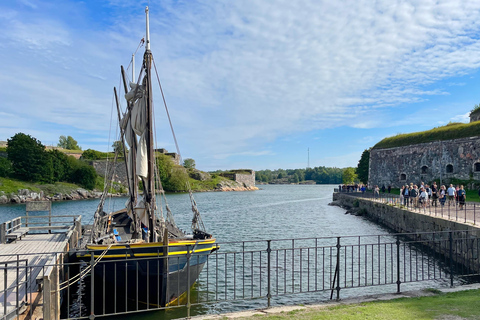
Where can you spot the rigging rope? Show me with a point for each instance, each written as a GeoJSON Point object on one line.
{"type": "Point", "coordinates": [197, 220]}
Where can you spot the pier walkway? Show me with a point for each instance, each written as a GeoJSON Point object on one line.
{"type": "Point", "coordinates": [30, 254]}
{"type": "Point", "coordinates": [468, 213]}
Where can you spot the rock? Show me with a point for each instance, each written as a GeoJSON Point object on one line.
{"type": "Point", "coordinates": [3, 199]}
{"type": "Point", "coordinates": [34, 196]}
{"type": "Point", "coordinates": [23, 192]}
{"type": "Point", "coordinates": [15, 199]}
{"type": "Point", "coordinates": [83, 193]}
{"type": "Point", "coordinates": [199, 175]}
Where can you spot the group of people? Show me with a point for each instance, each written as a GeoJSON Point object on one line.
{"type": "Point", "coordinates": [426, 195]}
{"type": "Point", "coordinates": [352, 188]}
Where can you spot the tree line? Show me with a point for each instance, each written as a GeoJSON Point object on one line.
{"type": "Point", "coordinates": [321, 175]}
{"type": "Point", "coordinates": [28, 160]}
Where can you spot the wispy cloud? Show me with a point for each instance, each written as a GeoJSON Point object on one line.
{"type": "Point", "coordinates": [237, 75]}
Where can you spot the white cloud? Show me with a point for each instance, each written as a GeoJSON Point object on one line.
{"type": "Point", "coordinates": [239, 74]}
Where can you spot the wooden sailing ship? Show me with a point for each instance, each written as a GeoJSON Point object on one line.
{"type": "Point", "coordinates": [150, 255]}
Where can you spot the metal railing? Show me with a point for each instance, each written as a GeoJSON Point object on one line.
{"type": "Point", "coordinates": [448, 209]}
{"type": "Point", "coordinates": [264, 272]}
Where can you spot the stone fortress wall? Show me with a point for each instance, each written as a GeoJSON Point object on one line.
{"type": "Point", "coordinates": [444, 160]}
{"type": "Point", "coordinates": [459, 158]}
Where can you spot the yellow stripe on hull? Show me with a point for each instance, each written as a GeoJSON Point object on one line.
{"type": "Point", "coordinates": [173, 253]}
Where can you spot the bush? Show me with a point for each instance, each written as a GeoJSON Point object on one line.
{"type": "Point", "coordinates": [5, 167]}
{"type": "Point", "coordinates": [85, 176]}
{"type": "Point", "coordinates": [91, 154]}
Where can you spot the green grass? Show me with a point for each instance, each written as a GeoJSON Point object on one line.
{"type": "Point", "coordinates": [206, 185]}
{"type": "Point", "coordinates": [463, 304]}
{"type": "Point", "coordinates": [12, 185]}
{"type": "Point", "coordinates": [448, 132]}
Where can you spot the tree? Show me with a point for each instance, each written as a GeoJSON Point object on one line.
{"type": "Point", "coordinates": [118, 147]}
{"type": "Point", "coordinates": [85, 175]}
{"type": "Point", "coordinates": [189, 163]}
{"type": "Point", "coordinates": [5, 167]}
{"type": "Point", "coordinates": [349, 175]}
{"type": "Point", "coordinates": [362, 167]}
{"type": "Point", "coordinates": [27, 156]}
{"type": "Point", "coordinates": [68, 143]}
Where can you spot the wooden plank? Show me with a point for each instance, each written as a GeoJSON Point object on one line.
{"type": "Point", "coordinates": [38, 249]}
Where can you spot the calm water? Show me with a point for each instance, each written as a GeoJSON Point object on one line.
{"type": "Point", "coordinates": [274, 212]}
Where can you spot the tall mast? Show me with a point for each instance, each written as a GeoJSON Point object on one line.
{"type": "Point", "coordinates": [133, 67]}
{"type": "Point", "coordinates": [150, 150]}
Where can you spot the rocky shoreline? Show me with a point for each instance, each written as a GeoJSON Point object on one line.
{"type": "Point", "coordinates": [356, 211]}
{"type": "Point", "coordinates": [26, 195]}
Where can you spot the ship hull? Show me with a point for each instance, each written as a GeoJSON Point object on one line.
{"type": "Point", "coordinates": [142, 273]}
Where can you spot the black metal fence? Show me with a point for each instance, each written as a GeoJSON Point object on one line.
{"type": "Point", "coordinates": [266, 271]}
{"type": "Point", "coordinates": [259, 273]}
{"type": "Point", "coordinates": [450, 209]}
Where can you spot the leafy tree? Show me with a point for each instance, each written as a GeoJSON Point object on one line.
{"type": "Point", "coordinates": [173, 177]}
{"type": "Point", "coordinates": [363, 165]}
{"type": "Point", "coordinates": [27, 156]}
{"type": "Point", "coordinates": [91, 154]}
{"type": "Point", "coordinates": [84, 175]}
{"type": "Point", "coordinates": [5, 167]}
{"type": "Point", "coordinates": [189, 163]}
{"type": "Point", "coordinates": [349, 175]}
{"type": "Point", "coordinates": [60, 167]}
{"type": "Point", "coordinates": [68, 143]}
{"type": "Point", "coordinates": [117, 147]}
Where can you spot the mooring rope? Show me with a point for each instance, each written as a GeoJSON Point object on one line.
{"type": "Point", "coordinates": [82, 274]}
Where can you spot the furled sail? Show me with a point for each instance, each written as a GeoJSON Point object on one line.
{"type": "Point", "coordinates": [138, 123]}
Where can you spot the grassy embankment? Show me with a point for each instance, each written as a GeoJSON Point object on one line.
{"type": "Point", "coordinates": [448, 132]}
{"type": "Point", "coordinates": [455, 305]}
{"type": "Point", "coordinates": [9, 185]}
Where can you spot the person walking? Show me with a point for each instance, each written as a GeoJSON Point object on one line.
{"type": "Point", "coordinates": [461, 194]}
{"type": "Point", "coordinates": [434, 194]}
{"type": "Point", "coordinates": [423, 198]}
{"type": "Point", "coordinates": [406, 194]}
{"type": "Point", "coordinates": [401, 194]}
{"type": "Point", "coordinates": [451, 194]}
{"type": "Point", "coordinates": [442, 195]}
{"type": "Point", "coordinates": [414, 196]}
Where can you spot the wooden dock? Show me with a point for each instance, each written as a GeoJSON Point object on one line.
{"type": "Point", "coordinates": [31, 262]}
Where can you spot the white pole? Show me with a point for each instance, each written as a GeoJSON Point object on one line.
{"type": "Point", "coordinates": [147, 46]}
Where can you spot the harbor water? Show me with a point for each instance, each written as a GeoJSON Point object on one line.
{"type": "Point", "coordinates": [273, 212]}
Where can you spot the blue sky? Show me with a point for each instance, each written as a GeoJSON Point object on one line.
{"type": "Point", "coordinates": [249, 84]}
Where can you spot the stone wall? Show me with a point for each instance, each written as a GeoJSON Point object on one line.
{"type": "Point", "coordinates": [120, 171]}
{"type": "Point", "coordinates": [248, 180]}
{"type": "Point", "coordinates": [475, 116]}
{"type": "Point", "coordinates": [246, 177]}
{"type": "Point", "coordinates": [459, 158]}
{"type": "Point", "coordinates": [405, 221]}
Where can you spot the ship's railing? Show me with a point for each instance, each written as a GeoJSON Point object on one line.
{"type": "Point", "coordinates": [268, 272]}
{"type": "Point", "coordinates": [451, 209]}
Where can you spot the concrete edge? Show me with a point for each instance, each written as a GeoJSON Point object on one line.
{"type": "Point", "coordinates": [347, 301]}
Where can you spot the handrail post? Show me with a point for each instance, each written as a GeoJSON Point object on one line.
{"type": "Point", "coordinates": [92, 285]}
{"type": "Point", "coordinates": [269, 295]}
{"type": "Point", "coordinates": [398, 264]}
{"type": "Point", "coordinates": [5, 293]}
{"type": "Point", "coordinates": [450, 238]}
{"type": "Point", "coordinates": [188, 281]}
{"type": "Point", "coordinates": [338, 265]}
